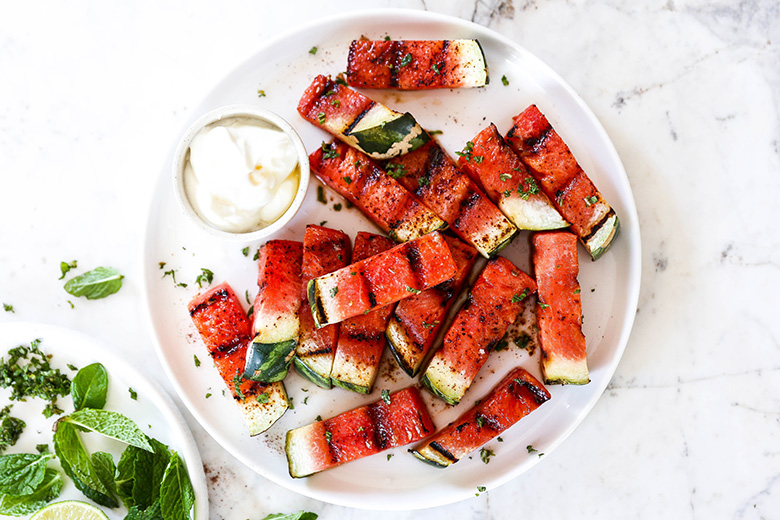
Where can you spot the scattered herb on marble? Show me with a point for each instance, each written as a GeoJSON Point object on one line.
{"type": "Point", "coordinates": [65, 267]}
{"type": "Point", "coordinates": [7, 307]}
{"type": "Point", "coordinates": [28, 373]}
{"type": "Point", "coordinates": [260, 93]}
{"type": "Point", "coordinates": [95, 284]}
{"type": "Point", "coordinates": [133, 394]}
{"type": "Point", "coordinates": [504, 81]}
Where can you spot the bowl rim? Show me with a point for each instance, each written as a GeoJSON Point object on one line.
{"type": "Point", "coordinates": [230, 112]}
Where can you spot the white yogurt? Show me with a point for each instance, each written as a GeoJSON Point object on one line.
{"type": "Point", "coordinates": [241, 175]}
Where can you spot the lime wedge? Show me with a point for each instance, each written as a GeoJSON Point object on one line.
{"type": "Point", "coordinates": [70, 510]}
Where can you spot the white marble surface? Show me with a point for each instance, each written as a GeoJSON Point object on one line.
{"type": "Point", "coordinates": [95, 93]}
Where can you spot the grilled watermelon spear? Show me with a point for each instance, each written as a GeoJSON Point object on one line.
{"type": "Point", "coordinates": [416, 64]}
{"type": "Point", "coordinates": [395, 420]}
{"type": "Point", "coordinates": [381, 198]}
{"type": "Point", "coordinates": [276, 320]}
{"type": "Point", "coordinates": [501, 174]}
{"type": "Point", "coordinates": [517, 395]}
{"type": "Point", "coordinates": [360, 122]}
{"type": "Point", "coordinates": [226, 331]}
{"type": "Point", "coordinates": [562, 179]}
{"type": "Point", "coordinates": [559, 314]}
{"type": "Point", "coordinates": [494, 303]}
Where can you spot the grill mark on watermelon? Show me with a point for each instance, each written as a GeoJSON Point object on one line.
{"type": "Point", "coordinates": [372, 299]}
{"type": "Point", "coordinates": [324, 350]}
{"type": "Point", "coordinates": [414, 258]}
{"type": "Point", "coordinates": [597, 226]}
{"type": "Point", "coordinates": [438, 447]}
{"type": "Point", "coordinates": [539, 395]}
{"type": "Point", "coordinates": [362, 336]}
{"type": "Point", "coordinates": [532, 143]}
{"type": "Point", "coordinates": [382, 434]}
{"type": "Point", "coordinates": [219, 295]}
{"type": "Point", "coordinates": [226, 349]}
{"type": "Point", "coordinates": [359, 117]}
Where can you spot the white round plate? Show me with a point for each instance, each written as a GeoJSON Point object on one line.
{"type": "Point", "coordinates": [152, 410]}
{"type": "Point", "coordinates": [282, 70]}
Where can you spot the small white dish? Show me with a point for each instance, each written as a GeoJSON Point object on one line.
{"type": "Point", "coordinates": [222, 115]}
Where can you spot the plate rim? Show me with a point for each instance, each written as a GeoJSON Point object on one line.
{"type": "Point", "coordinates": [629, 222]}
{"type": "Point", "coordinates": [148, 387]}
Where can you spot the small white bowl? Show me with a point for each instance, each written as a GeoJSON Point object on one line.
{"type": "Point", "coordinates": [181, 157]}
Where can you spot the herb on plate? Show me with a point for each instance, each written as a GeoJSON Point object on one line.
{"type": "Point", "coordinates": [206, 276]}
{"type": "Point", "coordinates": [95, 284]}
{"type": "Point", "coordinates": [7, 307]}
{"type": "Point", "coordinates": [10, 428]}
{"type": "Point", "coordinates": [89, 387]}
{"type": "Point", "coordinates": [26, 483]}
{"type": "Point", "coordinates": [28, 373]}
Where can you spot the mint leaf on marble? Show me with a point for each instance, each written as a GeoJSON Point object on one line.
{"type": "Point", "coordinates": [95, 284]}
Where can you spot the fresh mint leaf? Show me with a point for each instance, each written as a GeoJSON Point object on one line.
{"type": "Point", "coordinates": [47, 490]}
{"type": "Point", "coordinates": [20, 473]}
{"type": "Point", "coordinates": [95, 284]}
{"type": "Point", "coordinates": [89, 387]}
{"type": "Point", "coordinates": [111, 424]}
{"type": "Point", "coordinates": [300, 515]}
{"type": "Point", "coordinates": [105, 469]}
{"type": "Point", "coordinates": [125, 475]}
{"type": "Point", "coordinates": [152, 512]}
{"type": "Point", "coordinates": [148, 472]}
{"type": "Point", "coordinates": [176, 494]}
{"type": "Point", "coordinates": [77, 464]}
